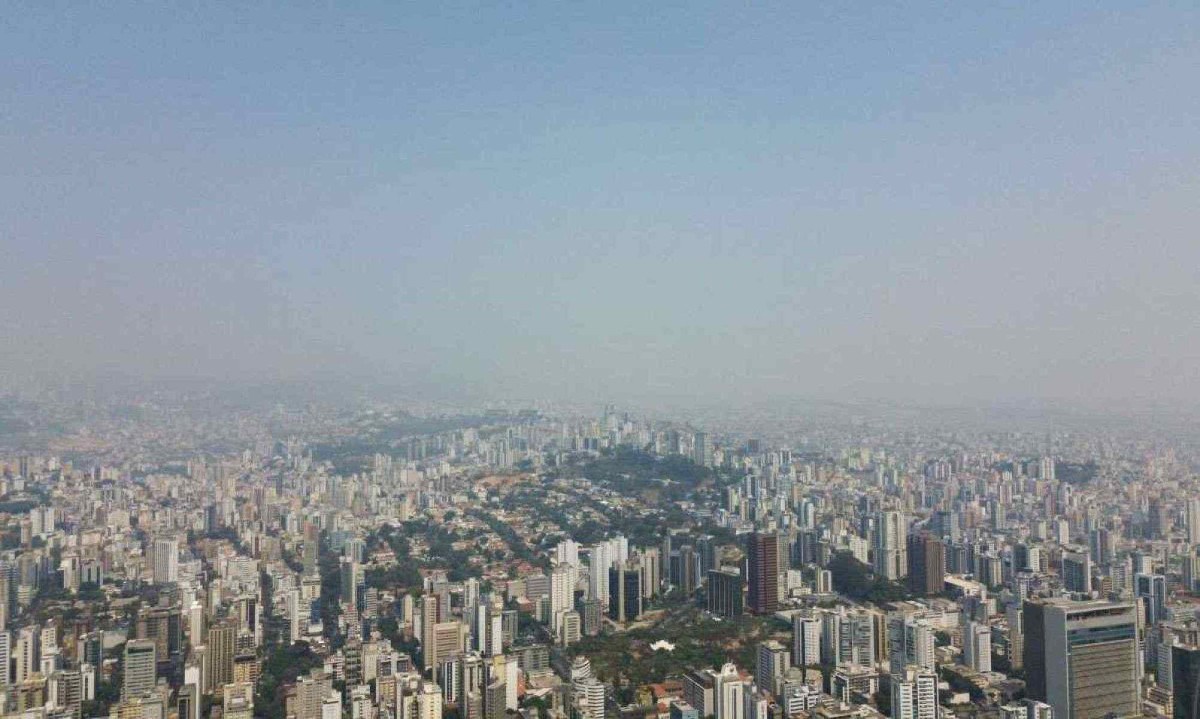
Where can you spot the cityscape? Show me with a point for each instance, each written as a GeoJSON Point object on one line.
{"type": "Point", "coordinates": [557, 360]}
{"type": "Point", "coordinates": [174, 558]}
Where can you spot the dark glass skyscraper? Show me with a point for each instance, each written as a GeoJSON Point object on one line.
{"type": "Point", "coordinates": [1185, 682]}
{"type": "Point", "coordinates": [762, 572]}
{"type": "Point", "coordinates": [725, 593]}
{"type": "Point", "coordinates": [926, 564]}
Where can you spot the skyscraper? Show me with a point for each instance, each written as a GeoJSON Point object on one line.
{"type": "Point", "coordinates": [166, 561]}
{"type": "Point", "coordinates": [701, 452]}
{"type": "Point", "coordinates": [926, 564]}
{"type": "Point", "coordinates": [977, 646]}
{"type": "Point", "coordinates": [296, 618]}
{"type": "Point", "coordinates": [725, 593]}
{"type": "Point", "coordinates": [1193, 521]}
{"type": "Point", "coordinates": [1077, 572]}
{"type": "Point", "coordinates": [762, 551]}
{"type": "Point", "coordinates": [624, 592]}
{"type": "Point", "coordinates": [888, 555]}
{"type": "Point", "coordinates": [773, 660]}
{"type": "Point", "coordinates": [1185, 681]}
{"type": "Point", "coordinates": [1082, 658]}
{"type": "Point", "coordinates": [222, 640]}
{"type": "Point", "coordinates": [806, 640]}
{"type": "Point", "coordinates": [350, 573]}
{"type": "Point", "coordinates": [5, 654]}
{"type": "Point", "coordinates": [1151, 590]}
{"type": "Point", "coordinates": [138, 667]}
{"type": "Point", "coordinates": [911, 642]}
{"type": "Point", "coordinates": [914, 694]}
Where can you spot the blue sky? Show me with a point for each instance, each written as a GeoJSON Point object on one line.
{"type": "Point", "coordinates": [731, 201]}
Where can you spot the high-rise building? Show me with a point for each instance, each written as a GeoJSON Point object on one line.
{"type": "Point", "coordinates": [446, 640]}
{"type": "Point", "coordinates": [599, 562]}
{"type": "Point", "coordinates": [762, 552]}
{"type": "Point", "coordinates": [1157, 525]}
{"type": "Point", "coordinates": [429, 617]}
{"type": "Point", "coordinates": [297, 618]}
{"type": "Point", "coordinates": [351, 576]}
{"type": "Point", "coordinates": [806, 640]}
{"type": "Point", "coordinates": [166, 560]}
{"type": "Point", "coordinates": [1185, 681]}
{"type": "Point", "coordinates": [5, 656]}
{"type": "Point", "coordinates": [911, 642]}
{"type": "Point", "coordinates": [624, 592]}
{"type": "Point", "coordinates": [729, 693]}
{"type": "Point", "coordinates": [926, 564]}
{"type": "Point", "coordinates": [773, 661]}
{"type": "Point", "coordinates": [701, 452]}
{"type": "Point", "coordinates": [687, 565]}
{"type": "Point", "coordinates": [139, 669]}
{"type": "Point", "coordinates": [1077, 572]}
{"type": "Point", "coordinates": [1082, 658]}
{"type": "Point", "coordinates": [889, 552]}
{"type": "Point", "coordinates": [699, 688]}
{"type": "Point", "coordinates": [222, 647]}
{"type": "Point", "coordinates": [589, 698]}
{"type": "Point", "coordinates": [1151, 590]}
{"type": "Point", "coordinates": [977, 646]}
{"type": "Point", "coordinates": [1016, 635]}
{"type": "Point", "coordinates": [311, 690]}
{"type": "Point", "coordinates": [562, 588]}
{"type": "Point", "coordinates": [651, 563]}
{"type": "Point", "coordinates": [914, 694]}
{"type": "Point", "coordinates": [848, 638]}
{"type": "Point", "coordinates": [494, 701]}
{"type": "Point", "coordinates": [1193, 521]}
{"type": "Point", "coordinates": [725, 593]}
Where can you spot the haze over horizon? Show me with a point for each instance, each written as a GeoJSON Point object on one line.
{"type": "Point", "coordinates": [728, 203]}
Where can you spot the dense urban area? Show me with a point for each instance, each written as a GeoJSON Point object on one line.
{"type": "Point", "coordinates": [171, 557]}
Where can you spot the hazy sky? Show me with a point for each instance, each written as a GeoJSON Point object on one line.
{"type": "Point", "coordinates": [950, 201]}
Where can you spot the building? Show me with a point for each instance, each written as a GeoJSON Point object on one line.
{"type": "Point", "coordinates": [139, 669]}
{"type": "Point", "coordinates": [806, 640]}
{"type": "Point", "coordinates": [914, 694]}
{"type": "Point", "coordinates": [701, 451]}
{"type": "Point", "coordinates": [1081, 658]}
{"type": "Point", "coordinates": [911, 642]}
{"type": "Point", "coordinates": [729, 692]}
{"type": "Point", "coordinates": [926, 564]}
{"type": "Point", "coordinates": [1185, 681]}
{"type": "Point", "coordinates": [569, 628]}
{"type": "Point", "coordinates": [624, 592]}
{"type": "Point", "coordinates": [222, 642]}
{"type": "Point", "coordinates": [977, 646]}
{"type": "Point", "coordinates": [1151, 590]}
{"type": "Point", "coordinates": [725, 589]}
{"type": "Point", "coordinates": [762, 572]}
{"type": "Point", "coordinates": [773, 661]}
{"type": "Point", "coordinates": [848, 638]}
{"type": "Point", "coordinates": [589, 697]}
{"type": "Point", "coordinates": [683, 710]}
{"type": "Point", "coordinates": [166, 561]}
{"type": "Point", "coordinates": [699, 686]}
{"type": "Point", "coordinates": [889, 553]}
{"type": "Point", "coordinates": [590, 615]}
{"type": "Point", "coordinates": [446, 640]}
{"type": "Point", "coordinates": [494, 700]}
{"type": "Point", "coordinates": [310, 693]}
{"type": "Point", "coordinates": [1077, 572]}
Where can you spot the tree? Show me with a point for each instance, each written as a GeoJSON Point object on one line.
{"type": "Point", "coordinates": [855, 580]}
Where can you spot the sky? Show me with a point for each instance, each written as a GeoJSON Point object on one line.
{"type": "Point", "coordinates": [950, 202]}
